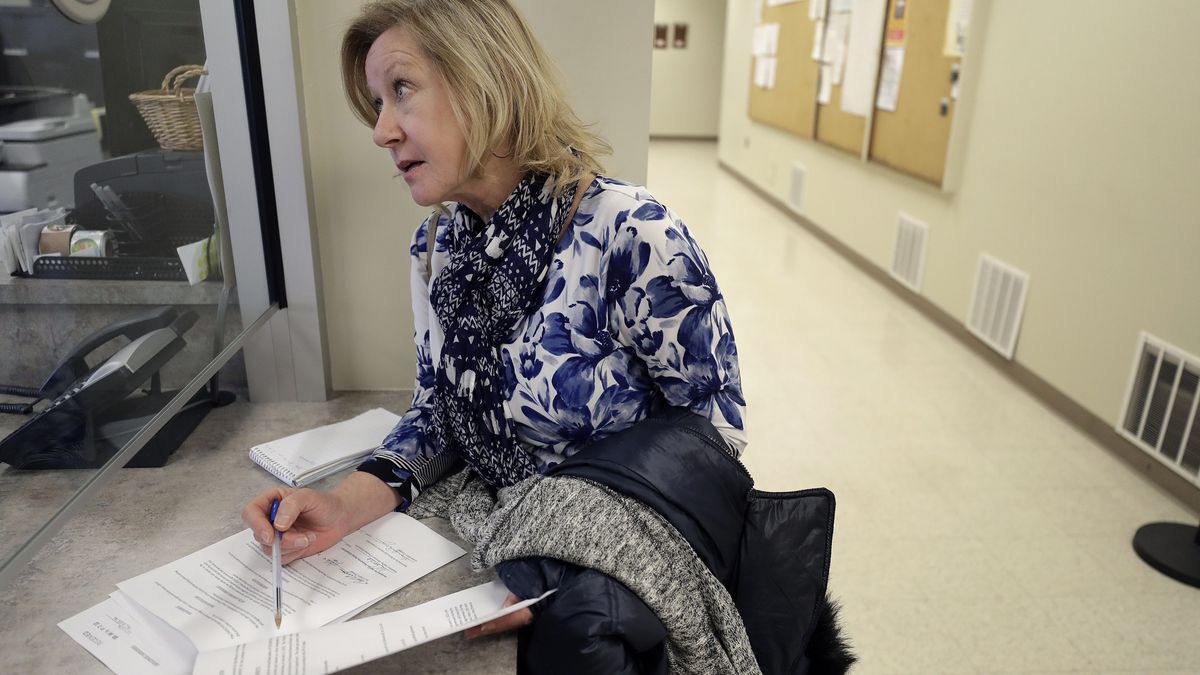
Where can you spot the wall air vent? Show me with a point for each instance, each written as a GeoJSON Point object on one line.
{"type": "Point", "coordinates": [908, 257]}
{"type": "Point", "coordinates": [796, 193]}
{"type": "Point", "coordinates": [1159, 414]}
{"type": "Point", "coordinates": [997, 304]}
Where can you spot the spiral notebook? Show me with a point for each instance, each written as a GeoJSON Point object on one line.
{"type": "Point", "coordinates": [311, 455]}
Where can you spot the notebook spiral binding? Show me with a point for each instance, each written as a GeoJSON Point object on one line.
{"type": "Point", "coordinates": [260, 457]}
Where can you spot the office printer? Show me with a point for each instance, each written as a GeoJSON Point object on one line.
{"type": "Point", "coordinates": [46, 135]}
{"type": "Point", "coordinates": [165, 194]}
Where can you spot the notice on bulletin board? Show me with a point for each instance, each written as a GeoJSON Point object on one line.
{"type": "Point", "coordinates": [896, 26]}
{"type": "Point", "coordinates": [765, 48]}
{"type": "Point", "coordinates": [958, 20]}
{"type": "Point", "coordinates": [825, 91]}
{"type": "Point", "coordinates": [893, 57]}
{"type": "Point", "coordinates": [863, 56]}
{"type": "Point", "coordinates": [889, 78]}
{"type": "Point", "coordinates": [837, 32]}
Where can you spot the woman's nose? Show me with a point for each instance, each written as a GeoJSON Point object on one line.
{"type": "Point", "coordinates": [387, 131]}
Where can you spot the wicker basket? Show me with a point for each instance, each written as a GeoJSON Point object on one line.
{"type": "Point", "coordinates": [170, 112]}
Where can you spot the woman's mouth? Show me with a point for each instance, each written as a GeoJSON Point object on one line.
{"type": "Point", "coordinates": [406, 168]}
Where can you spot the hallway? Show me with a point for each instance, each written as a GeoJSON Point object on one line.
{"type": "Point", "coordinates": [976, 531]}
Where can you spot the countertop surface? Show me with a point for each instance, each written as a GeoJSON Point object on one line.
{"type": "Point", "coordinates": [145, 518]}
{"type": "Point", "coordinates": [36, 291]}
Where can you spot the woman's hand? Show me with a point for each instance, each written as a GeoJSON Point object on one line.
{"type": "Point", "coordinates": [311, 521]}
{"type": "Point", "coordinates": [521, 617]}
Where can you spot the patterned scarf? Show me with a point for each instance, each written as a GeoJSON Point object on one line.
{"type": "Point", "coordinates": [492, 280]}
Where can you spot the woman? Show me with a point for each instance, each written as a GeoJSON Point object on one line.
{"type": "Point", "coordinates": [613, 311]}
{"type": "Point", "coordinates": [553, 306]}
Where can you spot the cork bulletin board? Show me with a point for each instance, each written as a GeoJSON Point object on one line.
{"type": "Point", "coordinates": [791, 104]}
{"type": "Point", "coordinates": [839, 128]}
{"type": "Point", "coordinates": [916, 136]}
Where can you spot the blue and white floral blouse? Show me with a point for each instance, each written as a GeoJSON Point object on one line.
{"type": "Point", "coordinates": [631, 317]}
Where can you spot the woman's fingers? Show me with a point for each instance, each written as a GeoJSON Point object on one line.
{"type": "Point", "coordinates": [298, 502]}
{"type": "Point", "coordinates": [305, 518]}
{"type": "Point", "coordinates": [256, 514]}
{"type": "Point", "coordinates": [296, 539]}
{"type": "Point", "coordinates": [288, 558]}
{"type": "Point", "coordinates": [521, 617]}
{"type": "Point", "coordinates": [294, 545]}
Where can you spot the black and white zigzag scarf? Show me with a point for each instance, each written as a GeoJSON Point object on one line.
{"type": "Point", "coordinates": [492, 280]}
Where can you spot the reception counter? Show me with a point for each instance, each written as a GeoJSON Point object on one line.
{"type": "Point", "coordinates": [148, 517]}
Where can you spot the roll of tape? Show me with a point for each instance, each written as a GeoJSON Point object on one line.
{"type": "Point", "coordinates": [91, 243]}
{"type": "Point", "coordinates": [56, 240]}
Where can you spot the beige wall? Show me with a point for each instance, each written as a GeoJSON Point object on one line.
{"type": "Point", "coordinates": [364, 217]}
{"type": "Point", "coordinates": [685, 99]}
{"type": "Point", "coordinates": [1081, 167]}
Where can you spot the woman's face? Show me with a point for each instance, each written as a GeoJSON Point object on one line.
{"type": "Point", "coordinates": [416, 124]}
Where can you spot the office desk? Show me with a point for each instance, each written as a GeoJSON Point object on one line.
{"type": "Point", "coordinates": [148, 517]}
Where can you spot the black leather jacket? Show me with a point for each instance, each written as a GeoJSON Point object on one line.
{"type": "Point", "coordinates": [770, 550]}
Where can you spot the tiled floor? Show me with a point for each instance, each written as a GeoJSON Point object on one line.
{"type": "Point", "coordinates": [976, 531]}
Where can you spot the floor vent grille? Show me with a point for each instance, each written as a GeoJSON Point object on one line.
{"type": "Point", "coordinates": [796, 193]}
{"type": "Point", "coordinates": [908, 258]}
{"type": "Point", "coordinates": [997, 304]}
{"type": "Point", "coordinates": [1159, 415]}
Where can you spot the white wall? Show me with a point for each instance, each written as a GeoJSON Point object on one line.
{"type": "Point", "coordinates": [685, 99]}
{"type": "Point", "coordinates": [1081, 168]}
{"type": "Point", "coordinates": [364, 217]}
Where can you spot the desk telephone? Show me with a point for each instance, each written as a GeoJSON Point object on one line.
{"type": "Point", "coordinates": [93, 412]}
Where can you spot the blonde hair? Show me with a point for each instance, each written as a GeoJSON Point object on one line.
{"type": "Point", "coordinates": [502, 85]}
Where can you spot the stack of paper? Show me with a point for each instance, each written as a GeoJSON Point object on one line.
{"type": "Point", "coordinates": [356, 642]}
{"type": "Point", "coordinates": [20, 233]}
{"type": "Point", "coordinates": [222, 596]}
{"type": "Point", "coordinates": [306, 457]}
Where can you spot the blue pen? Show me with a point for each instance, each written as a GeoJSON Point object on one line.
{"type": "Point", "coordinates": [277, 566]}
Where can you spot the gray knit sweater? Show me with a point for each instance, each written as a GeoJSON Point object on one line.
{"type": "Point", "coordinates": [587, 524]}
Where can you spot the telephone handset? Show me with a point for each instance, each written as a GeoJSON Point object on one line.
{"type": "Point", "coordinates": [69, 433]}
{"type": "Point", "coordinates": [74, 365]}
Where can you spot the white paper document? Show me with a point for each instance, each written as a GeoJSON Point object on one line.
{"type": "Point", "coordinates": [117, 636]}
{"type": "Point", "coordinates": [837, 32]}
{"type": "Point", "coordinates": [816, 9]}
{"type": "Point", "coordinates": [862, 56]}
{"type": "Point", "coordinates": [222, 595]}
{"type": "Point", "coordinates": [958, 22]}
{"type": "Point", "coordinates": [334, 648]}
{"type": "Point", "coordinates": [10, 241]}
{"type": "Point", "coordinates": [758, 42]}
{"type": "Point", "coordinates": [194, 258]}
{"type": "Point", "coordinates": [889, 78]}
{"type": "Point", "coordinates": [766, 39]}
{"type": "Point", "coordinates": [764, 71]}
{"type": "Point", "coordinates": [818, 50]}
{"type": "Point", "coordinates": [825, 90]}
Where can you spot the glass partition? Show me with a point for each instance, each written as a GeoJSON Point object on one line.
{"type": "Point", "coordinates": [117, 283]}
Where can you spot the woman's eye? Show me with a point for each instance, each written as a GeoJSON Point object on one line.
{"type": "Point", "coordinates": [400, 88]}
{"type": "Point", "coordinates": [377, 105]}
